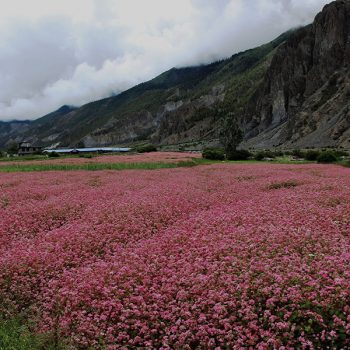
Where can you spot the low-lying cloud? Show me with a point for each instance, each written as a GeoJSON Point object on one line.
{"type": "Point", "coordinates": [65, 54]}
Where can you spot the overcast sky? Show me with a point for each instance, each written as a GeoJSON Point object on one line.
{"type": "Point", "coordinates": [56, 52]}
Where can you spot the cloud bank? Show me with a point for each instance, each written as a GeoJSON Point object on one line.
{"type": "Point", "coordinates": [73, 52]}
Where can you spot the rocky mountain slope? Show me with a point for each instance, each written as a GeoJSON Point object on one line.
{"type": "Point", "coordinates": [182, 105]}
{"type": "Point", "coordinates": [292, 92]}
{"type": "Point", "coordinates": [11, 130]}
{"type": "Point", "coordinates": [304, 100]}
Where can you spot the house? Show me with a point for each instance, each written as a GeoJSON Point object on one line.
{"type": "Point", "coordinates": [26, 148]}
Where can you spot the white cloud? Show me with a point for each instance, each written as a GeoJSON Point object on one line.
{"type": "Point", "coordinates": [74, 51]}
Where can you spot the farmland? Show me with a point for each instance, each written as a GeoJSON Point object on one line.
{"type": "Point", "coordinates": [149, 161]}
{"type": "Point", "coordinates": [152, 157]}
{"type": "Point", "coordinates": [208, 257]}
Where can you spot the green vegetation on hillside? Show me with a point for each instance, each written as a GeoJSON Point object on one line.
{"type": "Point", "coordinates": [239, 77]}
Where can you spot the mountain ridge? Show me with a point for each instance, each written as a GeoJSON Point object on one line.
{"type": "Point", "coordinates": [144, 111]}
{"type": "Point", "coordinates": [291, 92]}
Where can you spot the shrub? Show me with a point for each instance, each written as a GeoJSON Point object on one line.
{"type": "Point", "coordinates": [267, 154]}
{"type": "Point", "coordinates": [146, 148]}
{"type": "Point", "coordinates": [53, 154]}
{"type": "Point", "coordinates": [12, 149]}
{"type": "Point", "coordinates": [311, 155]}
{"type": "Point", "coordinates": [213, 153]}
{"type": "Point", "coordinates": [298, 153]}
{"type": "Point", "coordinates": [278, 153]}
{"type": "Point", "coordinates": [259, 156]}
{"type": "Point", "coordinates": [270, 154]}
{"type": "Point", "coordinates": [340, 153]}
{"type": "Point", "coordinates": [241, 154]}
{"type": "Point", "coordinates": [327, 157]}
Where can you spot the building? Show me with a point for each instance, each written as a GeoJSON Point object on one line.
{"type": "Point", "coordinates": [26, 148]}
{"type": "Point", "coordinates": [87, 150]}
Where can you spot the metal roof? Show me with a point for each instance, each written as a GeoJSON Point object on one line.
{"type": "Point", "coordinates": [90, 149]}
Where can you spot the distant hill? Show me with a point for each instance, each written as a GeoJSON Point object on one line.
{"type": "Point", "coordinates": [291, 92]}
{"type": "Point", "coordinates": [17, 131]}
{"type": "Point", "coordinates": [11, 130]}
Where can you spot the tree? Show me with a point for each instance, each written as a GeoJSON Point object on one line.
{"type": "Point", "coordinates": [12, 148]}
{"type": "Point", "coordinates": [80, 144]}
{"type": "Point", "coordinates": [231, 134]}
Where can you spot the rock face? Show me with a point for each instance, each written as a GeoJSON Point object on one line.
{"type": "Point", "coordinates": [304, 99]}
{"type": "Point", "coordinates": [174, 122]}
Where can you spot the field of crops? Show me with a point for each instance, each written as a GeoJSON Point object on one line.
{"type": "Point", "coordinates": [152, 157]}
{"type": "Point", "coordinates": [218, 256]}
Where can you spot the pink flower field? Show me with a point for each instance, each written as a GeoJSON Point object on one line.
{"type": "Point", "coordinates": [152, 157]}
{"type": "Point", "coordinates": [209, 257]}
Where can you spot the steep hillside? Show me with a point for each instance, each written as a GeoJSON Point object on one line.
{"type": "Point", "coordinates": [10, 131]}
{"type": "Point", "coordinates": [16, 131]}
{"type": "Point", "coordinates": [180, 105]}
{"type": "Point", "coordinates": [292, 92]}
{"type": "Point", "coordinates": [304, 100]}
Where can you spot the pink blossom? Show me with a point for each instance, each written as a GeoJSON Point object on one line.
{"type": "Point", "coordinates": [207, 257]}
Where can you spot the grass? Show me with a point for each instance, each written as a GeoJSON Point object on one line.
{"type": "Point", "coordinates": [278, 160]}
{"type": "Point", "coordinates": [24, 158]}
{"type": "Point", "coordinates": [12, 168]}
{"type": "Point", "coordinates": [42, 157]}
{"type": "Point", "coordinates": [14, 335]}
{"type": "Point", "coordinates": [98, 166]}
{"type": "Point", "coordinates": [9, 168]}
{"type": "Point", "coordinates": [345, 163]}
{"type": "Point", "coordinates": [288, 160]}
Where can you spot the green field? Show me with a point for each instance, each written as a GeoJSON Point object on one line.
{"type": "Point", "coordinates": [96, 166]}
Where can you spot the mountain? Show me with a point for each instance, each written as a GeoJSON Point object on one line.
{"type": "Point", "coordinates": [11, 130]}
{"type": "Point", "coordinates": [180, 105]}
{"type": "Point", "coordinates": [37, 131]}
{"type": "Point", "coordinates": [304, 100]}
{"type": "Point", "coordinates": [291, 92]}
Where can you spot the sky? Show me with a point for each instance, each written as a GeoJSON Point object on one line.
{"type": "Point", "coordinates": [70, 52]}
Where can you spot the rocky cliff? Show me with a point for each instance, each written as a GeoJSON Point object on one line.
{"type": "Point", "coordinates": [304, 100]}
